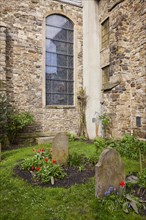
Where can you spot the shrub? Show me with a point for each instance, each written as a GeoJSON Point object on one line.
{"type": "Point", "coordinates": [100, 144]}
{"type": "Point", "coordinates": [77, 160]}
{"type": "Point", "coordinates": [128, 146]}
{"type": "Point", "coordinates": [71, 136]}
{"type": "Point", "coordinates": [142, 178]}
{"type": "Point", "coordinates": [105, 120]}
{"type": "Point", "coordinates": [16, 122]}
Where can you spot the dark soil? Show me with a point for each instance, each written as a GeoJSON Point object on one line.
{"type": "Point", "coordinates": [138, 191]}
{"type": "Point", "coordinates": [74, 176]}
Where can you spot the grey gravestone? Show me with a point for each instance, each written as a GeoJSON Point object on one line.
{"type": "Point", "coordinates": [109, 172]}
{"type": "Point", "coordinates": [60, 148]}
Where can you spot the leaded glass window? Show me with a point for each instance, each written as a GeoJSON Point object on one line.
{"type": "Point", "coordinates": [59, 61]}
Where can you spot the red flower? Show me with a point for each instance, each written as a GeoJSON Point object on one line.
{"type": "Point", "coordinates": [46, 159]}
{"type": "Point", "coordinates": [38, 168]}
{"type": "Point", "coordinates": [53, 161]}
{"type": "Point", "coordinates": [39, 150]}
{"type": "Point", "coordinates": [43, 149]}
{"type": "Point", "coordinates": [32, 167]}
{"type": "Point", "coordinates": [122, 183]}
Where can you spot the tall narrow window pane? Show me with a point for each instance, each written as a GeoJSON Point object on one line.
{"type": "Point", "coordinates": [59, 61]}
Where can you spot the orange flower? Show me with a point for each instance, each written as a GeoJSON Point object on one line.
{"type": "Point", "coordinates": [46, 159]}
{"type": "Point", "coordinates": [38, 168]}
{"type": "Point", "coordinates": [54, 161]}
{"type": "Point", "coordinates": [32, 167]}
{"type": "Point", "coordinates": [39, 150]}
{"type": "Point", "coordinates": [122, 183]}
{"type": "Point", "coordinates": [34, 150]}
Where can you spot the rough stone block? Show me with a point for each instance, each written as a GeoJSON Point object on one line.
{"type": "Point", "coordinates": [44, 140]}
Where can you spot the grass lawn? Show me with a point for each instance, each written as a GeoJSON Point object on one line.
{"type": "Point", "coordinates": [22, 201]}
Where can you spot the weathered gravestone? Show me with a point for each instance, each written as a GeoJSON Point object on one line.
{"type": "Point", "coordinates": [60, 148]}
{"type": "Point", "coordinates": [109, 172]}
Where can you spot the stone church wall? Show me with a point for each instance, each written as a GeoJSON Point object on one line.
{"type": "Point", "coordinates": [24, 65]}
{"type": "Point", "coordinates": [124, 97]}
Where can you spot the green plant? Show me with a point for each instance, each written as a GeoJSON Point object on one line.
{"type": "Point", "coordinates": [127, 146]}
{"type": "Point", "coordinates": [3, 119]}
{"type": "Point", "coordinates": [50, 171]}
{"type": "Point", "coordinates": [43, 167]}
{"type": "Point", "coordinates": [3, 113]}
{"type": "Point", "coordinates": [100, 144]}
{"type": "Point", "coordinates": [105, 120]}
{"type": "Point", "coordinates": [16, 122]}
{"type": "Point", "coordinates": [93, 160]}
{"type": "Point", "coordinates": [114, 200]}
{"type": "Point", "coordinates": [83, 138]}
{"type": "Point", "coordinates": [71, 137]}
{"type": "Point", "coordinates": [142, 178]}
{"type": "Point", "coordinates": [77, 160]}
{"type": "Point", "coordinates": [81, 168]}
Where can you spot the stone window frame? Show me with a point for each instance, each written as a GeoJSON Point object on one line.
{"type": "Point", "coordinates": [107, 80]}
{"type": "Point", "coordinates": [74, 61]}
{"type": "Point", "coordinates": [105, 33]}
{"type": "Point", "coordinates": [59, 89]}
{"type": "Point", "coordinates": [105, 75]}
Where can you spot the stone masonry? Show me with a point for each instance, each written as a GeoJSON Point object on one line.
{"type": "Point", "coordinates": [125, 56]}
{"type": "Point", "coordinates": [3, 92]}
{"type": "Point", "coordinates": [25, 72]}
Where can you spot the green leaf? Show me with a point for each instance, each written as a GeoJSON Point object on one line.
{"type": "Point", "coordinates": [129, 197]}
{"type": "Point", "coordinates": [52, 180]}
{"type": "Point", "coordinates": [125, 209]}
{"type": "Point", "coordinates": [134, 206]}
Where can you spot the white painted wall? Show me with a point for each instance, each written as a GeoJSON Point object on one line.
{"type": "Point", "coordinates": [91, 65]}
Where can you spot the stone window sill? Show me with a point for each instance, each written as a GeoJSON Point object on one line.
{"type": "Point", "coordinates": [60, 107]}
{"type": "Point", "coordinates": [110, 86]}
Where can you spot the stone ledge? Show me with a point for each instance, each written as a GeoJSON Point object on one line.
{"type": "Point", "coordinates": [59, 107]}
{"type": "Point", "coordinates": [2, 24]}
{"type": "Point", "coordinates": [44, 140]}
{"type": "Point", "coordinates": [38, 134]}
{"type": "Point", "coordinates": [110, 86]}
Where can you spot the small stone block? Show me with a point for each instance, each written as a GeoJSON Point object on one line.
{"type": "Point", "coordinates": [44, 140]}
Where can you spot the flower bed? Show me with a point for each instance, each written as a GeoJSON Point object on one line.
{"type": "Point", "coordinates": [42, 169]}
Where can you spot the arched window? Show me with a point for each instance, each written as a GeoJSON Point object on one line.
{"type": "Point", "coordinates": [59, 61]}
